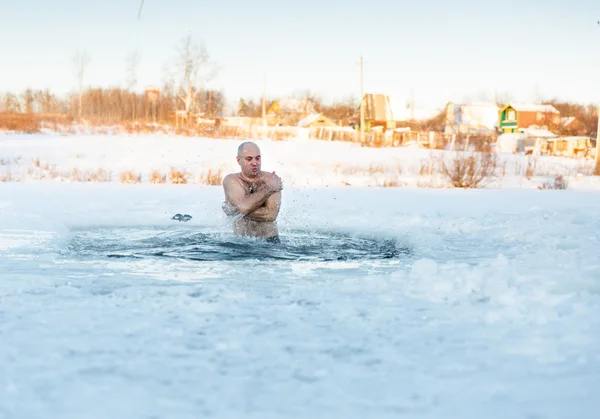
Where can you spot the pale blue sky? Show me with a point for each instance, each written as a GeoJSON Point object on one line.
{"type": "Point", "coordinates": [443, 50]}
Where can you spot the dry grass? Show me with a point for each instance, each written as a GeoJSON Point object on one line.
{"type": "Point", "coordinates": [19, 122]}
{"type": "Point", "coordinates": [376, 169]}
{"type": "Point", "coordinates": [392, 183]}
{"type": "Point", "coordinates": [597, 168]}
{"type": "Point", "coordinates": [32, 122]}
{"type": "Point", "coordinates": [214, 178]}
{"type": "Point", "coordinates": [178, 177]}
{"type": "Point", "coordinates": [432, 184]}
{"type": "Point", "coordinates": [139, 128]}
{"type": "Point", "coordinates": [99, 175]}
{"type": "Point", "coordinates": [130, 177]}
{"type": "Point", "coordinates": [585, 168]}
{"type": "Point", "coordinates": [157, 177]}
{"type": "Point", "coordinates": [470, 169]}
{"type": "Point", "coordinates": [43, 171]}
{"type": "Point", "coordinates": [559, 182]}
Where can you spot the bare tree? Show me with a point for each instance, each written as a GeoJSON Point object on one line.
{"type": "Point", "coordinates": [28, 101]}
{"type": "Point", "coordinates": [345, 110]}
{"type": "Point", "coordinates": [133, 61]}
{"type": "Point", "coordinates": [193, 69]}
{"type": "Point", "coordinates": [80, 60]}
{"type": "Point", "coordinates": [504, 98]}
{"type": "Point", "coordinates": [10, 103]}
{"type": "Point", "coordinates": [46, 101]}
{"type": "Point", "coordinates": [309, 101]}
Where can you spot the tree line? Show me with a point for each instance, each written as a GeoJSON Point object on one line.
{"type": "Point", "coordinates": [184, 91]}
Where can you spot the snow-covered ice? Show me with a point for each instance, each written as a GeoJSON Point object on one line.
{"type": "Point", "coordinates": [379, 302]}
{"type": "Point", "coordinates": [302, 163]}
{"type": "Point", "coordinates": [493, 312]}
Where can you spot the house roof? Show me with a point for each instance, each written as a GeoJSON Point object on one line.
{"type": "Point", "coordinates": [538, 132]}
{"type": "Point", "coordinates": [531, 107]}
{"type": "Point", "coordinates": [567, 120]}
{"type": "Point", "coordinates": [307, 120]}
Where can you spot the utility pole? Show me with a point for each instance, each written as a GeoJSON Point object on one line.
{"type": "Point", "coordinates": [412, 104]}
{"type": "Point", "coordinates": [597, 168]}
{"type": "Point", "coordinates": [362, 104]}
{"type": "Point", "coordinates": [264, 112]}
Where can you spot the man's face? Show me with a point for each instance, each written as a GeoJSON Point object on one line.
{"type": "Point", "coordinates": [249, 161]}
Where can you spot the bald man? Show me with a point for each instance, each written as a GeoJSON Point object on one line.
{"type": "Point", "coordinates": [252, 196]}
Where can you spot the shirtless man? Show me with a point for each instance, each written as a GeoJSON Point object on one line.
{"type": "Point", "coordinates": [253, 197]}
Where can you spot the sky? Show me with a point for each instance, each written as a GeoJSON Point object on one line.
{"type": "Point", "coordinates": [441, 51]}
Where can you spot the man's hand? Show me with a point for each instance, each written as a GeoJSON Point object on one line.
{"type": "Point", "coordinates": [230, 209]}
{"type": "Point", "coordinates": [273, 182]}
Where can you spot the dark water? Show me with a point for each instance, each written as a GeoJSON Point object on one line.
{"type": "Point", "coordinates": [157, 242]}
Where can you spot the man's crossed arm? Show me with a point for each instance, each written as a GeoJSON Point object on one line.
{"type": "Point", "coordinates": [262, 205]}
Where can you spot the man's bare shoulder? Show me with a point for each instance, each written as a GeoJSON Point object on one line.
{"type": "Point", "coordinates": [230, 179]}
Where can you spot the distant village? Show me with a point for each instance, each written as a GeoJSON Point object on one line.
{"type": "Point", "coordinates": [527, 128]}
{"type": "Point", "coordinates": [537, 129]}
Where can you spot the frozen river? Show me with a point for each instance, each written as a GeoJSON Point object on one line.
{"type": "Point", "coordinates": [378, 303]}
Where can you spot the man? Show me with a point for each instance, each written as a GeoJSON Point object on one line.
{"type": "Point", "coordinates": [253, 196]}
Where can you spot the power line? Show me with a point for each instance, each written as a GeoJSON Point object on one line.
{"type": "Point", "coordinates": [140, 12]}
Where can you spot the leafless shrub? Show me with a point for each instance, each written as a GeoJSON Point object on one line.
{"type": "Point", "coordinates": [502, 168]}
{"type": "Point", "coordinates": [597, 167]}
{"type": "Point", "coordinates": [584, 168]}
{"type": "Point", "coordinates": [177, 176]}
{"type": "Point", "coordinates": [100, 175]}
{"type": "Point", "coordinates": [559, 182]}
{"type": "Point", "coordinates": [157, 177]}
{"type": "Point", "coordinates": [470, 169]}
{"type": "Point", "coordinates": [530, 170]}
{"type": "Point", "coordinates": [428, 166]}
{"type": "Point", "coordinates": [6, 176]}
{"type": "Point", "coordinates": [130, 177]}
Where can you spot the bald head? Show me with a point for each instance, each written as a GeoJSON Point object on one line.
{"type": "Point", "coordinates": [249, 159]}
{"type": "Point", "coordinates": [247, 146]}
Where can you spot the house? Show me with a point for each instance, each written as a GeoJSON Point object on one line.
{"type": "Point", "coordinates": [316, 120]}
{"type": "Point", "coordinates": [569, 146]}
{"type": "Point", "coordinates": [473, 118]}
{"type": "Point", "coordinates": [378, 112]}
{"type": "Point", "coordinates": [514, 116]}
{"type": "Point", "coordinates": [525, 140]}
